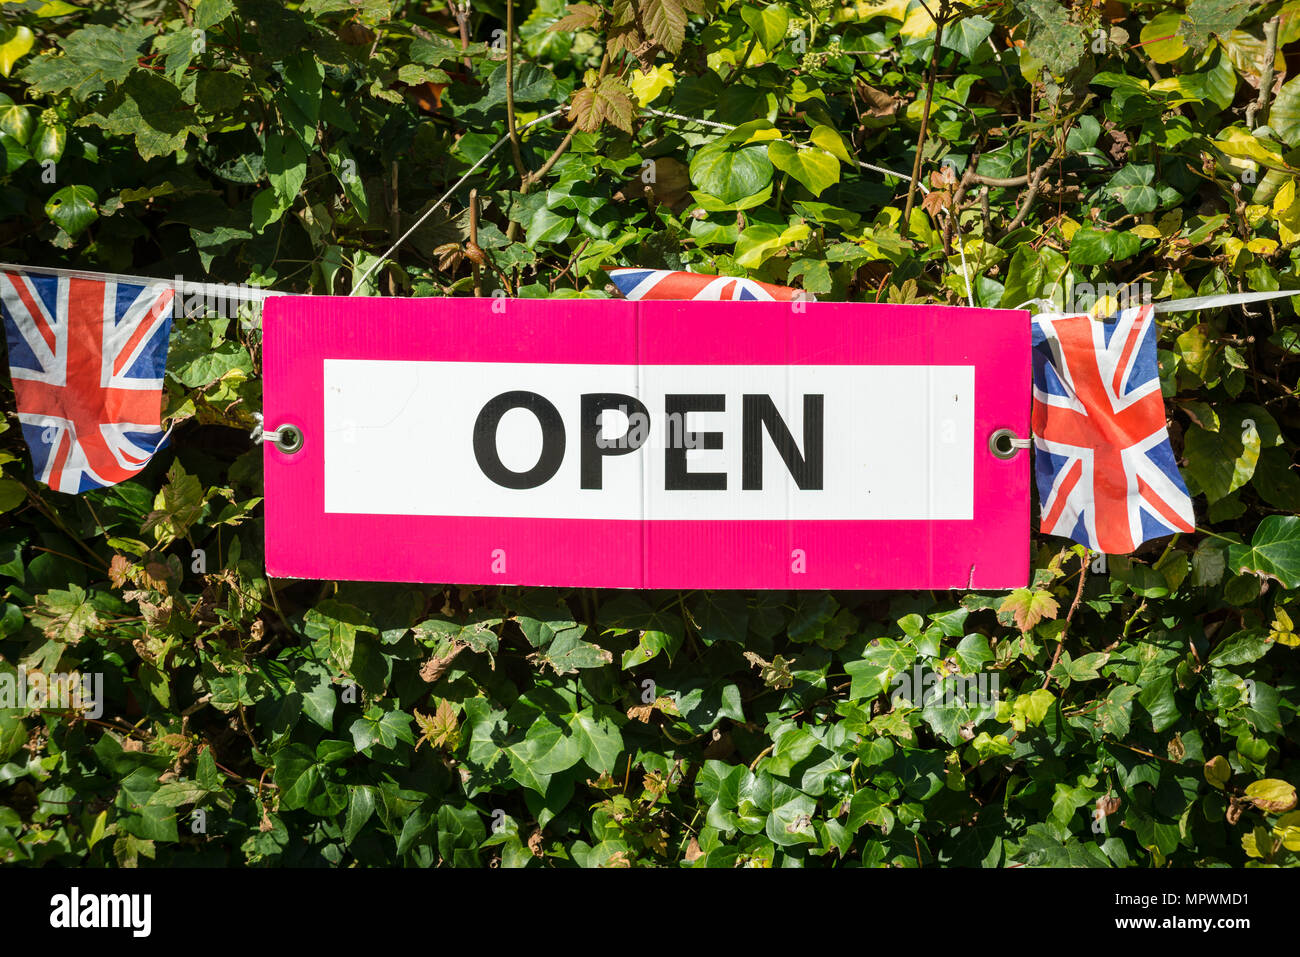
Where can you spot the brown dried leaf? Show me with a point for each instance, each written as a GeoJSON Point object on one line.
{"type": "Point", "coordinates": [607, 101]}
{"type": "Point", "coordinates": [1176, 748]}
{"type": "Point", "coordinates": [879, 103]}
{"type": "Point", "coordinates": [577, 16]}
{"type": "Point", "coordinates": [449, 256]}
{"type": "Point", "coordinates": [356, 34]}
{"type": "Point", "coordinates": [641, 712]}
{"type": "Point", "coordinates": [1234, 811]}
{"type": "Point", "coordinates": [119, 570]}
{"type": "Point", "coordinates": [935, 201]}
{"type": "Point", "coordinates": [668, 182]}
{"type": "Point", "coordinates": [721, 747]}
{"type": "Point", "coordinates": [436, 667]}
{"type": "Point", "coordinates": [775, 673]}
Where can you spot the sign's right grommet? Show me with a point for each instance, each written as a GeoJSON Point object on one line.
{"type": "Point", "coordinates": [1004, 443]}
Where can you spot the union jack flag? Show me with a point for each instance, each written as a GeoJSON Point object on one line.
{"type": "Point", "coordinates": [87, 360]}
{"type": "Point", "coordinates": [667, 284]}
{"type": "Point", "coordinates": [1104, 467]}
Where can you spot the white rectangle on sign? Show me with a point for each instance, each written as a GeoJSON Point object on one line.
{"type": "Point", "coordinates": [714, 443]}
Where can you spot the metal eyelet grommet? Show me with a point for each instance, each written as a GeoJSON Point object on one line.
{"type": "Point", "coordinates": [1004, 444]}
{"type": "Point", "coordinates": [288, 438]}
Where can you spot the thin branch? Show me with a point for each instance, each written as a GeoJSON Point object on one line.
{"type": "Point", "coordinates": [361, 283]}
{"type": "Point", "coordinates": [735, 74]}
{"type": "Point", "coordinates": [1257, 115]}
{"type": "Point", "coordinates": [538, 175]}
{"type": "Point", "coordinates": [461, 12]}
{"type": "Point", "coordinates": [1035, 183]}
{"type": "Point", "coordinates": [931, 77]}
{"type": "Point", "coordinates": [395, 225]}
{"type": "Point", "coordinates": [473, 241]}
{"type": "Point", "coordinates": [515, 151]}
{"type": "Point", "coordinates": [1069, 617]}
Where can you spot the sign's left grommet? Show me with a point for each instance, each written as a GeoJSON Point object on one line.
{"type": "Point", "coordinates": [288, 438]}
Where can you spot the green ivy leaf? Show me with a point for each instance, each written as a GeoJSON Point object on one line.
{"type": "Point", "coordinates": [972, 653]}
{"type": "Point", "coordinates": [1220, 462]}
{"type": "Point", "coordinates": [378, 726]}
{"type": "Point", "coordinates": [335, 626]}
{"type": "Point", "coordinates": [731, 173]}
{"type": "Point", "coordinates": [967, 34]}
{"type": "Point", "coordinates": [1273, 552]}
{"type": "Point", "coordinates": [817, 170]}
{"type": "Point", "coordinates": [15, 43]}
{"type": "Point", "coordinates": [769, 23]}
{"type": "Point", "coordinates": [1094, 247]}
{"type": "Point", "coordinates": [599, 741]}
{"type": "Point", "coordinates": [1132, 187]}
{"type": "Point", "coordinates": [1240, 648]}
{"type": "Point", "coordinates": [73, 209]}
{"type": "Point", "coordinates": [15, 120]}
{"type": "Point", "coordinates": [568, 653]}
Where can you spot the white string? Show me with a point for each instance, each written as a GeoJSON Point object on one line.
{"type": "Point", "coordinates": [961, 245]}
{"type": "Point", "coordinates": [1219, 300]}
{"type": "Point", "coordinates": [361, 283]}
{"type": "Point", "coordinates": [259, 434]}
{"type": "Point", "coordinates": [206, 289]}
{"type": "Point", "coordinates": [1192, 304]}
{"type": "Point", "coordinates": [799, 146]}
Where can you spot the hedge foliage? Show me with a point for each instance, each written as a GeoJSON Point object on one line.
{"type": "Point", "coordinates": [1146, 710]}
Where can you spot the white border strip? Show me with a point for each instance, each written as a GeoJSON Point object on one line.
{"type": "Point", "coordinates": [228, 291]}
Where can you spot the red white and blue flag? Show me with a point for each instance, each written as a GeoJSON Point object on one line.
{"type": "Point", "coordinates": [87, 358]}
{"type": "Point", "coordinates": [667, 284]}
{"type": "Point", "coordinates": [1104, 467]}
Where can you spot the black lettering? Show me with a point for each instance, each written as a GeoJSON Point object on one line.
{"type": "Point", "coordinates": [760, 413]}
{"type": "Point", "coordinates": [593, 450]}
{"type": "Point", "coordinates": [676, 477]}
{"type": "Point", "coordinates": [485, 440]}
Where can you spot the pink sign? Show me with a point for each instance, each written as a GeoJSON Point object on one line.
{"type": "Point", "coordinates": [608, 443]}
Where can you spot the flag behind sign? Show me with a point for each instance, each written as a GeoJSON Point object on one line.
{"type": "Point", "coordinates": [87, 358]}
{"type": "Point", "coordinates": [1104, 465]}
{"type": "Point", "coordinates": [653, 444]}
{"type": "Point", "coordinates": [671, 284]}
